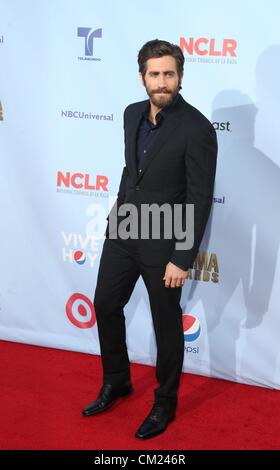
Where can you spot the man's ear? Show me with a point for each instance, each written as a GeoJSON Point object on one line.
{"type": "Point", "coordinates": [141, 78]}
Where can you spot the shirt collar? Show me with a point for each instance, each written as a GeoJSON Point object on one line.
{"type": "Point", "coordinates": [162, 112]}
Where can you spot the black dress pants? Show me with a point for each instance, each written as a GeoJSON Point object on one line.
{"type": "Point", "coordinates": [120, 267]}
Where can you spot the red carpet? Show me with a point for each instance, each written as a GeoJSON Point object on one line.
{"type": "Point", "coordinates": [43, 391]}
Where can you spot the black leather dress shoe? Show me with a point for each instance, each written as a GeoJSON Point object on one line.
{"type": "Point", "coordinates": [156, 422]}
{"type": "Point", "coordinates": [107, 397]}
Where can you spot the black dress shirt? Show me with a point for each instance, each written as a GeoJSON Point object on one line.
{"type": "Point", "coordinates": [147, 132]}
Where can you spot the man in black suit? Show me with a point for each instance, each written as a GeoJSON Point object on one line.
{"type": "Point", "coordinates": [170, 156]}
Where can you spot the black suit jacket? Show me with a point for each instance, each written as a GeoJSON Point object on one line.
{"type": "Point", "coordinates": [180, 168]}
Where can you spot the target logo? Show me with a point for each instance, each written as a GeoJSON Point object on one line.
{"type": "Point", "coordinates": [80, 311]}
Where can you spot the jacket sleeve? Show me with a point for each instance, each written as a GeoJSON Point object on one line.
{"type": "Point", "coordinates": [122, 185]}
{"type": "Point", "coordinates": [200, 161]}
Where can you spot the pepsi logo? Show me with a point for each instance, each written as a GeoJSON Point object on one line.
{"type": "Point", "coordinates": [191, 326]}
{"type": "Point", "coordinates": [80, 257]}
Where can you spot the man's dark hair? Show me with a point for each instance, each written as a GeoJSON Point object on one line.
{"type": "Point", "coordinates": [159, 48]}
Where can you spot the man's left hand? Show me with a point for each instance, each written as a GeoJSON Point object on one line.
{"type": "Point", "coordinates": [174, 276]}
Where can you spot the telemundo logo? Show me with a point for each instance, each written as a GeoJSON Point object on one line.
{"type": "Point", "coordinates": [89, 35]}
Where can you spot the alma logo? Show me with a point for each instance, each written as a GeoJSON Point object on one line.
{"type": "Point", "coordinates": [205, 46]}
{"type": "Point", "coordinates": [205, 268]}
{"type": "Point", "coordinates": [81, 180]}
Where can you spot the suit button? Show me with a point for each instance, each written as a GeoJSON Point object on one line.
{"type": "Point", "coordinates": [137, 188]}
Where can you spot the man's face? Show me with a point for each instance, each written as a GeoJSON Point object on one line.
{"type": "Point", "coordinates": [161, 80]}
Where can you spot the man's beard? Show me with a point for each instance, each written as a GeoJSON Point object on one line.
{"type": "Point", "coordinates": [162, 100]}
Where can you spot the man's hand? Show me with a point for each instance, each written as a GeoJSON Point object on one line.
{"type": "Point", "coordinates": [174, 276]}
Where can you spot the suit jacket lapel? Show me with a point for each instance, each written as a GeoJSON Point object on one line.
{"type": "Point", "coordinates": [132, 143]}
{"type": "Point", "coordinates": [169, 124]}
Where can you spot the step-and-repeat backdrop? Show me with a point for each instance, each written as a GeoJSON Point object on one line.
{"type": "Point", "coordinates": [68, 69]}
